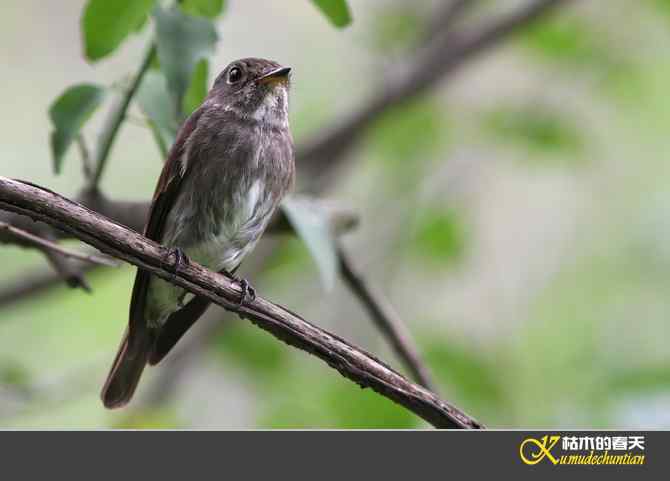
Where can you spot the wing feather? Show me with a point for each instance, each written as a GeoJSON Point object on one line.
{"type": "Point", "coordinates": [167, 191]}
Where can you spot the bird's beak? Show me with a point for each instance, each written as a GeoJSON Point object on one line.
{"type": "Point", "coordinates": [277, 75]}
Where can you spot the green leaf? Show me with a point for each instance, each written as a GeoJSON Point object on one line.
{"type": "Point", "coordinates": [197, 91]}
{"type": "Point", "coordinates": [337, 11]}
{"type": "Point", "coordinates": [68, 114]}
{"type": "Point", "coordinates": [155, 101]}
{"type": "Point", "coordinates": [106, 24]}
{"type": "Point", "coordinates": [312, 227]}
{"type": "Point", "coordinates": [203, 8]}
{"type": "Point", "coordinates": [182, 41]}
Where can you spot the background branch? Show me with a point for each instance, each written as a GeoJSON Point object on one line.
{"type": "Point", "coordinates": [437, 60]}
{"type": "Point", "coordinates": [46, 245]}
{"type": "Point", "coordinates": [445, 17]}
{"type": "Point", "coordinates": [118, 241]}
{"type": "Point", "coordinates": [386, 319]}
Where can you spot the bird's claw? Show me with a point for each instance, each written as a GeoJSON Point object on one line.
{"type": "Point", "coordinates": [180, 260]}
{"type": "Point", "coordinates": [248, 292]}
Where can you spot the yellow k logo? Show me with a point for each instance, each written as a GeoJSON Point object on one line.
{"type": "Point", "coordinates": [537, 450]}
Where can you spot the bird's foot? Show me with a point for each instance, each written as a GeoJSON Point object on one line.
{"type": "Point", "coordinates": [180, 260]}
{"type": "Point", "coordinates": [248, 292]}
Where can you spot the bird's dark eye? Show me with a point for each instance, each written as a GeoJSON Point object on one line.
{"type": "Point", "coordinates": [235, 75]}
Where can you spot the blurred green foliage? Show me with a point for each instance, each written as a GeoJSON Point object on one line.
{"type": "Point", "coordinates": [574, 44]}
{"type": "Point", "coordinates": [253, 350]}
{"type": "Point", "coordinates": [406, 137]}
{"type": "Point", "coordinates": [566, 40]}
{"type": "Point", "coordinates": [303, 401]}
{"type": "Point", "coordinates": [470, 377]}
{"type": "Point", "coordinates": [395, 28]}
{"type": "Point", "coordinates": [642, 380]}
{"type": "Point", "coordinates": [441, 236]}
{"type": "Point", "coordinates": [204, 8]}
{"type": "Point", "coordinates": [540, 130]}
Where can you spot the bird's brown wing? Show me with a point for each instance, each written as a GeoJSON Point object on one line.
{"type": "Point", "coordinates": [167, 191]}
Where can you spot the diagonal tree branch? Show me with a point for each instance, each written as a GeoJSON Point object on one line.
{"type": "Point", "coordinates": [122, 243]}
{"type": "Point", "coordinates": [443, 56]}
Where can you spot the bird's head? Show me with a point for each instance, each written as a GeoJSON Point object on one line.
{"type": "Point", "coordinates": [254, 87]}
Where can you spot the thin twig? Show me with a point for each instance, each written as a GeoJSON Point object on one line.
{"type": "Point", "coordinates": [44, 244]}
{"type": "Point", "coordinates": [86, 162]}
{"type": "Point", "coordinates": [34, 282]}
{"type": "Point", "coordinates": [386, 319]}
{"type": "Point", "coordinates": [71, 275]}
{"type": "Point", "coordinates": [116, 118]}
{"type": "Point", "coordinates": [122, 243]}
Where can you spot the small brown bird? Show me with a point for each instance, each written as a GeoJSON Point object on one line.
{"type": "Point", "coordinates": [228, 170]}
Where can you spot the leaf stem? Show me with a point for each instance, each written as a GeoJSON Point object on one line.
{"type": "Point", "coordinates": [116, 118]}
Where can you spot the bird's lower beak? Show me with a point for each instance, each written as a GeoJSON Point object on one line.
{"type": "Point", "coordinates": [277, 75]}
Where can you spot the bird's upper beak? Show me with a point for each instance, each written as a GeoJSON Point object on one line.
{"type": "Point", "coordinates": [277, 75]}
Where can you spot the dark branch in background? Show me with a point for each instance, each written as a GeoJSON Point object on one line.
{"type": "Point", "coordinates": [444, 18]}
{"type": "Point", "coordinates": [440, 58]}
{"type": "Point", "coordinates": [35, 282]}
{"type": "Point", "coordinates": [386, 319]}
{"type": "Point", "coordinates": [86, 161]}
{"type": "Point", "coordinates": [123, 243]}
{"type": "Point", "coordinates": [67, 271]}
{"type": "Point", "coordinates": [48, 246]}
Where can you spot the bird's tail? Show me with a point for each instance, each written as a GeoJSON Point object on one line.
{"type": "Point", "coordinates": [127, 369]}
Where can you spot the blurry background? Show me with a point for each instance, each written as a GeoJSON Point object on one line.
{"type": "Point", "coordinates": [517, 216]}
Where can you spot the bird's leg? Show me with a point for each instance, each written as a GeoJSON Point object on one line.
{"type": "Point", "coordinates": [248, 292]}
{"type": "Point", "coordinates": [180, 259]}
